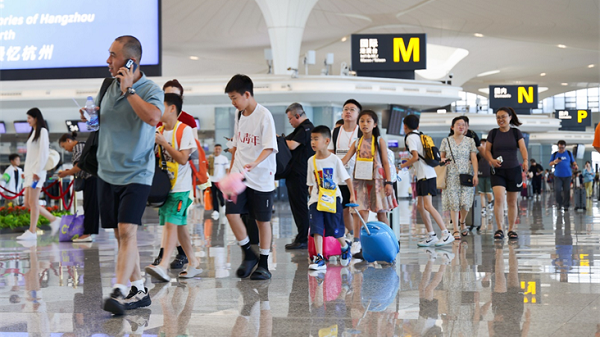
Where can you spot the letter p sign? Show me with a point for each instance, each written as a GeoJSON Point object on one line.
{"type": "Point", "coordinates": [581, 115]}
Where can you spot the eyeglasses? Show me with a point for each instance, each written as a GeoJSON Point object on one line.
{"type": "Point", "coordinates": [502, 117]}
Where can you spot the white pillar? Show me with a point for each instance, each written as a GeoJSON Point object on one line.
{"type": "Point", "coordinates": [285, 20]}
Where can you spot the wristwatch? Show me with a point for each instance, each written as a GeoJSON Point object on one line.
{"type": "Point", "coordinates": [388, 183]}
{"type": "Point", "coordinates": [130, 91]}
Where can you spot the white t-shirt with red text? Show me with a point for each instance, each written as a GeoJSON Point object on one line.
{"type": "Point", "coordinates": [253, 134]}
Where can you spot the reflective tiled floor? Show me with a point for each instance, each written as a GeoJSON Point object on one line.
{"type": "Point", "coordinates": [547, 284]}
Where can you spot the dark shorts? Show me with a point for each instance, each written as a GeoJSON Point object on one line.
{"type": "Point", "coordinates": [121, 203]}
{"type": "Point", "coordinates": [259, 205]}
{"type": "Point", "coordinates": [510, 178]}
{"type": "Point", "coordinates": [484, 185]}
{"type": "Point", "coordinates": [427, 187]}
{"type": "Point", "coordinates": [329, 224]}
{"type": "Point", "coordinates": [345, 195]}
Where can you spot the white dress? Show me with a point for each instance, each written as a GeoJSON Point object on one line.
{"type": "Point", "coordinates": [37, 156]}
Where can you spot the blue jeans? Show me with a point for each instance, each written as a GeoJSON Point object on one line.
{"type": "Point", "coordinates": [562, 190]}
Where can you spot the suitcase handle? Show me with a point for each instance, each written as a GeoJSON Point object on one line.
{"type": "Point", "coordinates": [353, 206]}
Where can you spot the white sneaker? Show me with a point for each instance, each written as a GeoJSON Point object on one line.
{"type": "Point", "coordinates": [55, 225]}
{"type": "Point", "coordinates": [215, 215]}
{"type": "Point", "coordinates": [355, 248]}
{"type": "Point", "coordinates": [447, 257]}
{"type": "Point", "coordinates": [87, 239]}
{"type": "Point", "coordinates": [490, 206]}
{"type": "Point", "coordinates": [483, 212]}
{"type": "Point", "coordinates": [430, 241]}
{"type": "Point", "coordinates": [446, 239]}
{"type": "Point", "coordinates": [432, 253]}
{"type": "Point", "coordinates": [27, 236]}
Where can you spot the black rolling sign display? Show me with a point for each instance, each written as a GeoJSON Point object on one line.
{"type": "Point", "coordinates": [514, 96]}
{"type": "Point", "coordinates": [574, 120]}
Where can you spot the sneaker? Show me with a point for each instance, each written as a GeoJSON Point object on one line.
{"type": "Point", "coordinates": [115, 303]}
{"type": "Point", "coordinates": [356, 247]}
{"type": "Point", "coordinates": [215, 215]}
{"type": "Point", "coordinates": [318, 263]}
{"type": "Point", "coordinates": [55, 225]}
{"type": "Point", "coordinates": [89, 238]}
{"type": "Point", "coordinates": [447, 257]}
{"type": "Point", "coordinates": [137, 299]}
{"type": "Point", "coordinates": [346, 256]}
{"type": "Point", "coordinates": [430, 241]}
{"type": "Point", "coordinates": [358, 255]}
{"type": "Point", "coordinates": [490, 206]}
{"type": "Point", "coordinates": [446, 239]}
{"type": "Point", "coordinates": [483, 212]}
{"type": "Point", "coordinates": [157, 261]}
{"type": "Point", "coordinates": [27, 236]}
{"type": "Point", "coordinates": [432, 253]}
{"type": "Point", "coordinates": [179, 262]}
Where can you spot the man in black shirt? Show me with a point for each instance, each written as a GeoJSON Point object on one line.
{"type": "Point", "coordinates": [299, 143]}
{"type": "Point", "coordinates": [535, 172]}
{"type": "Point", "coordinates": [473, 134]}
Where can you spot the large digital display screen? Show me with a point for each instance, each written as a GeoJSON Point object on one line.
{"type": "Point", "coordinates": [22, 127]}
{"type": "Point", "coordinates": [71, 38]}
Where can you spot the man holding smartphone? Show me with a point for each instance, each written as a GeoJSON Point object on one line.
{"type": "Point", "coordinates": [562, 161]}
{"type": "Point", "coordinates": [129, 112]}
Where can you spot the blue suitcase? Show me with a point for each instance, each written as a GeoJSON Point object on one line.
{"type": "Point", "coordinates": [378, 241]}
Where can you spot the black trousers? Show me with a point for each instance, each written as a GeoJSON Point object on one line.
{"type": "Point", "coordinates": [217, 197]}
{"type": "Point", "coordinates": [91, 208]}
{"type": "Point", "coordinates": [536, 184]}
{"type": "Point", "coordinates": [298, 196]}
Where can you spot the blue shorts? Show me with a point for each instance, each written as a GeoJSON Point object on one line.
{"type": "Point", "coordinates": [327, 224]}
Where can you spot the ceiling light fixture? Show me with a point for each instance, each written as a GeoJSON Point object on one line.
{"type": "Point", "coordinates": [488, 73]}
{"type": "Point", "coordinates": [564, 84]}
{"type": "Point", "coordinates": [344, 39]}
{"type": "Point", "coordinates": [562, 46]}
{"type": "Point", "coordinates": [543, 74]}
{"type": "Point", "coordinates": [478, 35]}
{"type": "Point", "coordinates": [591, 66]}
{"type": "Point", "coordinates": [195, 58]}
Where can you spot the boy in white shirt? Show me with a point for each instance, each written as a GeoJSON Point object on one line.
{"type": "Point", "coordinates": [220, 167]}
{"type": "Point", "coordinates": [253, 151]}
{"type": "Point", "coordinates": [326, 170]}
{"type": "Point", "coordinates": [426, 184]}
{"type": "Point", "coordinates": [175, 142]}
{"type": "Point", "coordinates": [13, 177]}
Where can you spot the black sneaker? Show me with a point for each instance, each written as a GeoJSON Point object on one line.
{"type": "Point", "coordinates": [137, 299]}
{"type": "Point", "coordinates": [157, 261]}
{"type": "Point", "coordinates": [179, 262]}
{"type": "Point", "coordinates": [115, 304]}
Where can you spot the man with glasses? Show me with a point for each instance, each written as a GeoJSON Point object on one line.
{"type": "Point", "coordinates": [562, 160]}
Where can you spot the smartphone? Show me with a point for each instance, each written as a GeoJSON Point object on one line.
{"type": "Point", "coordinates": [130, 63]}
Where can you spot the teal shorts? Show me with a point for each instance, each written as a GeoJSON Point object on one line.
{"type": "Point", "coordinates": [175, 209]}
{"type": "Point", "coordinates": [484, 185]}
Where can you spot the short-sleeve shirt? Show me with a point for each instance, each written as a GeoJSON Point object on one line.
{"type": "Point", "coordinates": [329, 168]}
{"type": "Point", "coordinates": [304, 151]}
{"type": "Point", "coordinates": [184, 172]}
{"type": "Point", "coordinates": [596, 142]}
{"type": "Point", "coordinates": [473, 134]}
{"type": "Point", "coordinates": [506, 145]}
{"type": "Point", "coordinates": [563, 169]}
{"type": "Point", "coordinates": [484, 166]}
{"type": "Point", "coordinates": [342, 145]}
{"type": "Point", "coordinates": [537, 168]}
{"type": "Point", "coordinates": [423, 171]}
{"type": "Point", "coordinates": [126, 143]}
{"type": "Point", "coordinates": [252, 135]}
{"type": "Point", "coordinates": [221, 165]}
{"type": "Point", "coordinates": [392, 162]}
{"type": "Point", "coordinates": [184, 118]}
{"type": "Point", "coordinates": [77, 150]}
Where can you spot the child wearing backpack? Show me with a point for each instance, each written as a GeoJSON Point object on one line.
{"type": "Point", "coordinates": [426, 184]}
{"type": "Point", "coordinates": [173, 214]}
{"type": "Point", "coordinates": [372, 177]}
{"type": "Point", "coordinates": [326, 171]}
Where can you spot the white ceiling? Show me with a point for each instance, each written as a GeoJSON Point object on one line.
{"type": "Point", "coordinates": [520, 37]}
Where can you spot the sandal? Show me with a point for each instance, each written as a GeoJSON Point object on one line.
{"type": "Point", "coordinates": [499, 235]}
{"type": "Point", "coordinates": [456, 235]}
{"type": "Point", "coordinates": [464, 231]}
{"type": "Point", "coordinates": [158, 272]}
{"type": "Point", "coordinates": [261, 274]}
{"type": "Point", "coordinates": [512, 235]}
{"type": "Point", "coordinates": [190, 272]}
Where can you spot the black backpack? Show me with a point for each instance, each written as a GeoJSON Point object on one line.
{"type": "Point", "coordinates": [336, 134]}
{"type": "Point", "coordinates": [88, 161]}
{"type": "Point", "coordinates": [161, 183]}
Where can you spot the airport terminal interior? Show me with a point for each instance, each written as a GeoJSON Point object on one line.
{"type": "Point", "coordinates": [438, 60]}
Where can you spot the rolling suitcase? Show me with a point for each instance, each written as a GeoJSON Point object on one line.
{"type": "Point", "coordinates": [579, 196]}
{"type": "Point", "coordinates": [378, 241]}
{"type": "Point", "coordinates": [529, 189]}
{"type": "Point", "coordinates": [331, 247]}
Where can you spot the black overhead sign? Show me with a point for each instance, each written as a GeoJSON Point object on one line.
{"type": "Point", "coordinates": [388, 55]}
{"type": "Point", "coordinates": [574, 120]}
{"type": "Point", "coordinates": [514, 96]}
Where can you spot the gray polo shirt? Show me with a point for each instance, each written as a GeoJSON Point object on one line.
{"type": "Point", "coordinates": [126, 143]}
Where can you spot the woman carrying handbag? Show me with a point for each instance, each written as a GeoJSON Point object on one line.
{"type": "Point", "coordinates": [460, 157]}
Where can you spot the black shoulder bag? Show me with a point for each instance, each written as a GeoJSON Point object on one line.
{"type": "Point", "coordinates": [161, 183]}
{"type": "Point", "coordinates": [88, 161]}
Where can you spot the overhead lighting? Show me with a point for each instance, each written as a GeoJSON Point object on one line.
{"type": "Point", "coordinates": [562, 46]}
{"type": "Point", "coordinates": [195, 58]}
{"type": "Point", "coordinates": [478, 35]}
{"type": "Point", "coordinates": [344, 39]}
{"type": "Point", "coordinates": [518, 82]}
{"type": "Point", "coordinates": [543, 74]}
{"type": "Point", "coordinates": [487, 73]}
{"type": "Point", "coordinates": [591, 66]}
{"type": "Point", "coordinates": [565, 84]}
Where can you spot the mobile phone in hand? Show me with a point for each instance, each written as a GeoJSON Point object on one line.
{"type": "Point", "coordinates": [130, 63]}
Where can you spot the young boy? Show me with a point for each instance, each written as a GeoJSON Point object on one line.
{"type": "Point", "coordinates": [426, 184]}
{"type": "Point", "coordinates": [326, 170]}
{"type": "Point", "coordinates": [173, 214]}
{"type": "Point", "coordinates": [13, 177]}
{"type": "Point", "coordinates": [253, 150]}
{"type": "Point", "coordinates": [218, 169]}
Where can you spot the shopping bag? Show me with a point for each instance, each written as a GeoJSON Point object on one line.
{"type": "Point", "coordinates": [208, 202]}
{"type": "Point", "coordinates": [440, 171]}
{"type": "Point", "coordinates": [71, 227]}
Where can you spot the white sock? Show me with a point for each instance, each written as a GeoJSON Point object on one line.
{"type": "Point", "coordinates": [431, 233]}
{"type": "Point", "coordinates": [244, 241]}
{"type": "Point", "coordinates": [139, 284]}
{"type": "Point", "coordinates": [122, 288]}
{"type": "Point", "coordinates": [445, 231]}
{"type": "Point", "coordinates": [265, 251]}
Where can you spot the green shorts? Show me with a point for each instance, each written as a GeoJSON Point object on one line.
{"type": "Point", "coordinates": [484, 185]}
{"type": "Point", "coordinates": [175, 209]}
